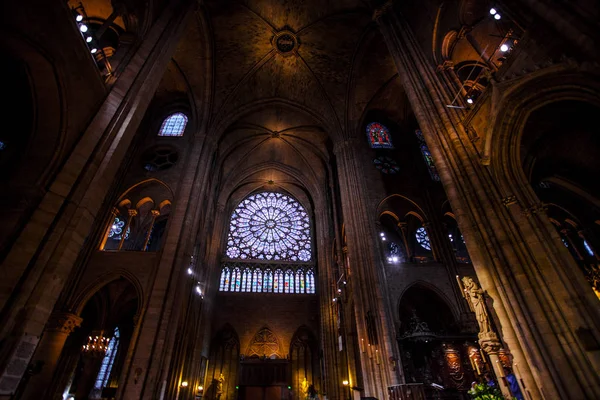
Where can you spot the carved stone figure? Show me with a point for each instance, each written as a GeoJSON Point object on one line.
{"type": "Point", "coordinates": [477, 299]}
{"type": "Point", "coordinates": [304, 389]}
{"type": "Point", "coordinates": [220, 381]}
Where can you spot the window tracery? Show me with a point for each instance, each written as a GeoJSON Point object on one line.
{"type": "Point", "coordinates": [269, 226]}
{"type": "Point", "coordinates": [173, 125]}
{"type": "Point", "coordinates": [265, 278]}
{"type": "Point", "coordinates": [379, 136]}
{"type": "Point", "coordinates": [423, 238]}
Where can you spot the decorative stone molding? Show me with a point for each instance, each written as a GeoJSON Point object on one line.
{"type": "Point", "coordinates": [489, 342]}
{"type": "Point", "coordinates": [64, 322]}
{"type": "Point", "coordinates": [285, 43]}
{"type": "Point", "coordinates": [539, 208]}
{"type": "Point", "coordinates": [509, 200]}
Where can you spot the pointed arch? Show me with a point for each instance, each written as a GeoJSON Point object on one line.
{"type": "Point", "coordinates": [265, 344]}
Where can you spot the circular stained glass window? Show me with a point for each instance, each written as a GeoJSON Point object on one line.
{"type": "Point", "coordinates": [423, 238]}
{"type": "Point", "coordinates": [269, 226]}
{"type": "Point", "coordinates": [386, 165]}
{"type": "Point", "coordinates": [159, 158]}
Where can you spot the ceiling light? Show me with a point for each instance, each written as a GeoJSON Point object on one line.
{"type": "Point", "coordinates": [83, 28]}
{"type": "Point", "coordinates": [493, 11]}
{"type": "Point", "coordinates": [504, 48]}
{"type": "Point", "coordinates": [79, 18]}
{"type": "Point", "coordinates": [94, 50]}
{"type": "Point", "coordinates": [88, 39]}
{"type": "Point", "coordinates": [497, 16]}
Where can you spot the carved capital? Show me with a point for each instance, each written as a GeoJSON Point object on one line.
{"type": "Point", "coordinates": [539, 208]}
{"type": "Point", "coordinates": [155, 213]}
{"type": "Point", "coordinates": [132, 213]}
{"type": "Point", "coordinates": [509, 200]}
{"type": "Point", "coordinates": [64, 322]}
{"type": "Point", "coordinates": [489, 342]}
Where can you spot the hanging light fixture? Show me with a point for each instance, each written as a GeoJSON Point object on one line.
{"type": "Point", "coordinates": [97, 343]}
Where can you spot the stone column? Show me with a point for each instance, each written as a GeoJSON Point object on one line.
{"type": "Point", "coordinates": [132, 214]}
{"type": "Point", "coordinates": [59, 327]}
{"type": "Point", "coordinates": [543, 316]}
{"type": "Point", "coordinates": [155, 214]}
{"type": "Point", "coordinates": [46, 251]}
{"type": "Point", "coordinates": [366, 275]}
{"type": "Point", "coordinates": [490, 343]}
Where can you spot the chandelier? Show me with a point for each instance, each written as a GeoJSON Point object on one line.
{"type": "Point", "coordinates": [96, 344]}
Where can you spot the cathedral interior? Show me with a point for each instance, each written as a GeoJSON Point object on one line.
{"type": "Point", "coordinates": [300, 199]}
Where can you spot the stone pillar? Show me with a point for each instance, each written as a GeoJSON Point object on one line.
{"type": "Point", "coordinates": [490, 343]}
{"type": "Point", "coordinates": [155, 214]}
{"type": "Point", "coordinates": [59, 327]}
{"type": "Point", "coordinates": [113, 214]}
{"type": "Point", "coordinates": [366, 275]}
{"type": "Point", "coordinates": [43, 256]}
{"type": "Point", "coordinates": [132, 214]}
{"type": "Point", "coordinates": [544, 317]}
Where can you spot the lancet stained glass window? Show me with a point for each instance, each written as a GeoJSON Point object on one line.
{"type": "Point", "coordinates": [379, 136]}
{"type": "Point", "coordinates": [173, 125]}
{"type": "Point", "coordinates": [269, 226]}
{"type": "Point", "coordinates": [423, 238]}
{"type": "Point", "coordinates": [266, 278]}
{"type": "Point", "coordinates": [427, 156]}
{"type": "Point", "coordinates": [107, 362]}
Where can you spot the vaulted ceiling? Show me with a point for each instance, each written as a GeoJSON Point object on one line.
{"type": "Point", "coordinates": [277, 113]}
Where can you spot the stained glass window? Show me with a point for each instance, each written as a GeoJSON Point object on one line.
{"type": "Point", "coordinates": [224, 286]}
{"type": "Point", "coordinates": [427, 156]}
{"type": "Point", "coordinates": [310, 282]}
{"type": "Point", "coordinates": [588, 248]}
{"type": "Point", "coordinates": [268, 282]}
{"type": "Point", "coordinates": [289, 281]}
{"type": "Point", "coordinates": [300, 281]}
{"type": "Point", "coordinates": [379, 136]}
{"type": "Point", "coordinates": [423, 238]}
{"type": "Point", "coordinates": [269, 226]}
{"type": "Point", "coordinates": [107, 362]}
{"type": "Point", "coordinates": [565, 242]}
{"type": "Point", "coordinates": [174, 125]}
{"type": "Point", "coordinates": [116, 230]}
{"type": "Point", "coordinates": [386, 165]}
{"type": "Point", "coordinates": [236, 280]}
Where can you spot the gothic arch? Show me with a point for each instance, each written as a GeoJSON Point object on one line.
{"type": "Point", "coordinates": [421, 284]}
{"type": "Point", "coordinates": [265, 343]}
{"type": "Point", "coordinates": [79, 300]}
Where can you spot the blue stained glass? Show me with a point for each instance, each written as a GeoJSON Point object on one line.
{"type": "Point", "coordinates": [588, 248]}
{"type": "Point", "coordinates": [224, 284]}
{"type": "Point", "coordinates": [269, 226]}
{"type": "Point", "coordinates": [236, 280]}
{"type": "Point", "coordinates": [117, 228]}
{"type": "Point", "coordinates": [107, 362]}
{"type": "Point", "coordinates": [423, 238]}
{"type": "Point", "coordinates": [174, 125]}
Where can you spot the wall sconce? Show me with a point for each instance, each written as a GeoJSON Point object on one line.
{"type": "Point", "coordinates": [345, 382]}
{"type": "Point", "coordinates": [184, 384]}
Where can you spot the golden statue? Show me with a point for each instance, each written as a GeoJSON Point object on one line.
{"type": "Point", "coordinates": [220, 381]}
{"type": "Point", "coordinates": [476, 298]}
{"type": "Point", "coordinates": [304, 388]}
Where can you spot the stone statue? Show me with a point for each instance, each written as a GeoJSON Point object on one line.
{"type": "Point", "coordinates": [304, 389]}
{"type": "Point", "coordinates": [220, 381]}
{"type": "Point", "coordinates": [476, 297]}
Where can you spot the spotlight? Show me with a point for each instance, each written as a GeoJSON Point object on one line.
{"type": "Point", "coordinates": [344, 282]}
{"type": "Point", "coordinates": [189, 271]}
{"type": "Point", "coordinates": [345, 382]}
{"type": "Point", "coordinates": [493, 11]}
{"type": "Point", "coordinates": [395, 259]}
{"type": "Point", "coordinates": [381, 234]}
{"type": "Point", "coordinates": [83, 28]}
{"type": "Point", "coordinates": [198, 290]}
{"type": "Point", "coordinates": [79, 18]}
{"type": "Point", "coordinates": [184, 384]}
{"type": "Point", "coordinates": [504, 48]}
{"type": "Point", "coordinates": [339, 290]}
{"type": "Point", "coordinates": [94, 50]}
{"type": "Point", "coordinates": [88, 39]}
{"type": "Point", "coordinates": [334, 299]}
{"type": "Point", "coordinates": [470, 100]}
{"type": "Point", "coordinates": [497, 16]}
